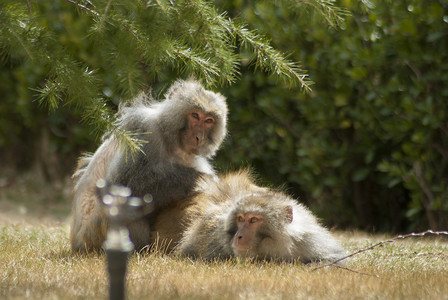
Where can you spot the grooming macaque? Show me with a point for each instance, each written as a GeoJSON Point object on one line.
{"type": "Point", "coordinates": [236, 218]}
{"type": "Point", "coordinates": [181, 133]}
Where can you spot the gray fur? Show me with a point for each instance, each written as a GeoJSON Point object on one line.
{"type": "Point", "coordinates": [164, 170]}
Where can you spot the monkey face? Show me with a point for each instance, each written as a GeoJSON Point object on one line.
{"type": "Point", "coordinates": [259, 227]}
{"type": "Point", "coordinates": [246, 238]}
{"type": "Point", "coordinates": [197, 131]}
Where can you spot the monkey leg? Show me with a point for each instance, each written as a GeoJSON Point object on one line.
{"type": "Point", "coordinates": [89, 223]}
{"type": "Point", "coordinates": [89, 230]}
{"type": "Point", "coordinates": [139, 232]}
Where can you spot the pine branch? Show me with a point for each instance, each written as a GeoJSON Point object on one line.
{"type": "Point", "coordinates": [217, 34]}
{"type": "Point", "coordinates": [103, 16]}
{"type": "Point", "coordinates": [128, 140]}
{"type": "Point", "coordinates": [196, 61]}
{"type": "Point", "coordinates": [332, 14]}
{"type": "Point", "coordinates": [15, 27]}
{"type": "Point", "coordinates": [132, 145]}
{"type": "Point", "coordinates": [84, 7]}
{"type": "Point", "coordinates": [20, 40]}
{"type": "Point", "coordinates": [97, 114]}
{"type": "Point", "coordinates": [218, 41]}
{"type": "Point", "coordinates": [187, 34]}
{"type": "Point", "coordinates": [50, 95]}
{"type": "Point", "coordinates": [326, 9]}
{"type": "Point", "coordinates": [272, 60]}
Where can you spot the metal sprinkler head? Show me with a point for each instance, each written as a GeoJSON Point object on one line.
{"type": "Point", "coordinates": [121, 209]}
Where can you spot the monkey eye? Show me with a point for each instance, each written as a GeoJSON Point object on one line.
{"type": "Point", "coordinates": [195, 115]}
{"type": "Point", "coordinates": [240, 219]}
{"type": "Point", "coordinates": [210, 121]}
{"type": "Point", "coordinates": [253, 220]}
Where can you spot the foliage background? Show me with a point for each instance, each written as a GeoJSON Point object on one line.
{"type": "Point", "coordinates": [367, 148]}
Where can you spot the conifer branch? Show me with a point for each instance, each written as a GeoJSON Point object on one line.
{"type": "Point", "coordinates": [196, 61]}
{"type": "Point", "coordinates": [84, 7]}
{"type": "Point", "coordinates": [332, 14]}
{"type": "Point", "coordinates": [103, 16]}
{"type": "Point", "coordinates": [98, 115]}
{"type": "Point", "coordinates": [132, 145]}
{"type": "Point", "coordinates": [188, 34]}
{"type": "Point", "coordinates": [50, 95]}
{"type": "Point", "coordinates": [272, 60]}
{"type": "Point", "coordinates": [16, 23]}
{"type": "Point", "coordinates": [20, 40]}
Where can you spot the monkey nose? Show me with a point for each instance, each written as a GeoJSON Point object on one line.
{"type": "Point", "coordinates": [198, 140]}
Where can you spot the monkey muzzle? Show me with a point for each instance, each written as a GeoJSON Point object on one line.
{"type": "Point", "coordinates": [241, 246]}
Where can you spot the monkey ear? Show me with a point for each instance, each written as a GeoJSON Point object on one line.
{"type": "Point", "coordinates": [289, 216]}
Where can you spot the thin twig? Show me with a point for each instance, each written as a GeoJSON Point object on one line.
{"type": "Point", "coordinates": [19, 39]}
{"type": "Point", "coordinates": [83, 7]}
{"type": "Point", "coordinates": [398, 237]}
{"type": "Point", "coordinates": [416, 71]}
{"type": "Point", "coordinates": [357, 272]}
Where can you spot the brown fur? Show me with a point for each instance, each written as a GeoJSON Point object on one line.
{"type": "Point", "coordinates": [204, 225]}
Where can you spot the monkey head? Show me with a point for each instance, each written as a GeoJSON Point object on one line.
{"type": "Point", "coordinates": [233, 217]}
{"type": "Point", "coordinates": [258, 226]}
{"type": "Point", "coordinates": [193, 119]}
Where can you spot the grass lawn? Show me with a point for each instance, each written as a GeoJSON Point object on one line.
{"type": "Point", "coordinates": [36, 263]}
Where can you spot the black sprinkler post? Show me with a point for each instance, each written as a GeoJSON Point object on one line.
{"type": "Point", "coordinates": [117, 260]}
{"type": "Point", "coordinates": [121, 209]}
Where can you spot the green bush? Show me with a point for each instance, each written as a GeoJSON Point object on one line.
{"type": "Point", "coordinates": [366, 148]}
{"type": "Point", "coordinates": [369, 146]}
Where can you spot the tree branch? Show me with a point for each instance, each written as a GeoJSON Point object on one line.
{"type": "Point", "coordinates": [398, 237]}
{"type": "Point", "coordinates": [83, 7]}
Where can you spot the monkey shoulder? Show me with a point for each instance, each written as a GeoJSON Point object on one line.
{"type": "Point", "coordinates": [205, 238]}
{"type": "Point", "coordinates": [140, 117]}
{"type": "Point", "coordinates": [93, 166]}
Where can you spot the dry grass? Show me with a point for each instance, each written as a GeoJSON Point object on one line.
{"type": "Point", "coordinates": [36, 263]}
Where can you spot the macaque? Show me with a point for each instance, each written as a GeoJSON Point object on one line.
{"type": "Point", "coordinates": [181, 134]}
{"type": "Point", "coordinates": [236, 218]}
